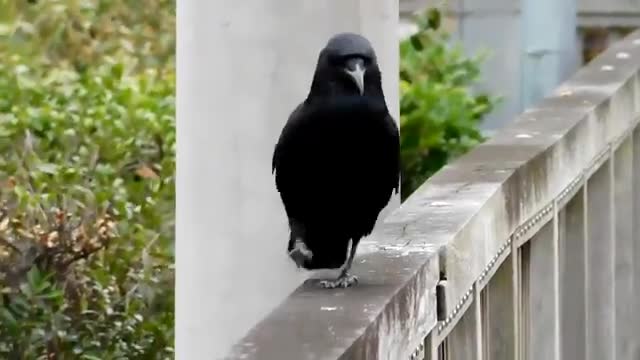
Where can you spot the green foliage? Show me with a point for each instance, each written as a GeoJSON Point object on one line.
{"type": "Point", "coordinates": [439, 113]}
{"type": "Point", "coordinates": [80, 33]}
{"type": "Point", "coordinates": [87, 133]}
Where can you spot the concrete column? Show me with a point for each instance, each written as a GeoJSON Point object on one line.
{"type": "Point", "coordinates": [242, 67]}
{"type": "Point", "coordinates": [492, 26]}
{"type": "Point", "coordinates": [549, 51]}
{"type": "Point", "coordinates": [532, 46]}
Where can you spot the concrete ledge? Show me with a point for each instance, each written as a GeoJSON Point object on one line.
{"type": "Point", "coordinates": [391, 311]}
{"type": "Point", "coordinates": [457, 222]}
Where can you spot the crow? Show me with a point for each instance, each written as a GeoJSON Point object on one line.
{"type": "Point", "coordinates": [337, 160]}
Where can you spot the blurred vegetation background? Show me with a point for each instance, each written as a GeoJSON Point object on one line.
{"type": "Point", "coordinates": [87, 133]}
{"type": "Point", "coordinates": [440, 113]}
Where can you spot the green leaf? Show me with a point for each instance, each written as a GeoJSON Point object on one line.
{"type": "Point", "coordinates": [433, 18]}
{"type": "Point", "coordinates": [415, 42]}
{"type": "Point", "coordinates": [34, 277]}
{"type": "Point", "coordinates": [48, 168]}
{"type": "Point", "coordinates": [90, 357]}
{"type": "Point", "coordinates": [7, 317]}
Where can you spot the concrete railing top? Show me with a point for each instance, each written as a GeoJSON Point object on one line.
{"type": "Point", "coordinates": [458, 224]}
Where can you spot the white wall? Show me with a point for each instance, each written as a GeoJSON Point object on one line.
{"type": "Point", "coordinates": [242, 67]}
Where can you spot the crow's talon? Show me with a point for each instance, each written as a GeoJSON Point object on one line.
{"type": "Point", "coordinates": [344, 281]}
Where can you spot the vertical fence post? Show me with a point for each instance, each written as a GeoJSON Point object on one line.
{"type": "Point", "coordinates": [636, 243]}
{"type": "Point", "coordinates": [515, 278]}
{"type": "Point", "coordinates": [623, 227]}
{"type": "Point", "coordinates": [430, 346]}
{"type": "Point", "coordinates": [498, 309]}
{"type": "Point", "coordinates": [600, 267]}
{"type": "Point", "coordinates": [555, 254]}
{"type": "Point", "coordinates": [479, 321]}
{"type": "Point", "coordinates": [541, 300]}
{"type": "Point", "coordinates": [573, 276]}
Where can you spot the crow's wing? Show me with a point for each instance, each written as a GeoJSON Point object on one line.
{"type": "Point", "coordinates": [287, 165]}
{"type": "Point", "coordinates": [289, 128]}
{"type": "Point", "coordinates": [394, 156]}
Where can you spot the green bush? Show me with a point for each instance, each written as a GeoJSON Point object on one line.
{"type": "Point", "coordinates": [87, 133]}
{"type": "Point", "coordinates": [80, 33]}
{"type": "Point", "coordinates": [440, 115]}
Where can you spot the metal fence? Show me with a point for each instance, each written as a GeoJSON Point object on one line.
{"type": "Point", "coordinates": [527, 247]}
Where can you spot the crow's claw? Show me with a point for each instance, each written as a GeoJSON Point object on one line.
{"type": "Point", "coordinates": [344, 281]}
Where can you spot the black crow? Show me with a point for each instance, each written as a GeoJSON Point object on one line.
{"type": "Point", "coordinates": [337, 159]}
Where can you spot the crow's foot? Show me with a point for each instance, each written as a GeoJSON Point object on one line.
{"type": "Point", "coordinates": [300, 253]}
{"type": "Point", "coordinates": [344, 281]}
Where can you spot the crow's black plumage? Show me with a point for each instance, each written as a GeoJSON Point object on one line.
{"type": "Point", "coordinates": [336, 162]}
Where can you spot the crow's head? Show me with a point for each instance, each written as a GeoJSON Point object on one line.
{"type": "Point", "coordinates": [347, 65]}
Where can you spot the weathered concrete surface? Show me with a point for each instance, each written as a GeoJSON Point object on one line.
{"type": "Point", "coordinates": [507, 180]}
{"type": "Point", "coordinates": [384, 317]}
{"type": "Point", "coordinates": [456, 222]}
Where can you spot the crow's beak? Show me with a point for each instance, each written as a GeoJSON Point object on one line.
{"type": "Point", "coordinates": [355, 69]}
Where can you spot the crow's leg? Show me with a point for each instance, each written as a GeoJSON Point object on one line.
{"type": "Point", "coordinates": [300, 253]}
{"type": "Point", "coordinates": [297, 249]}
{"type": "Point", "coordinates": [345, 279]}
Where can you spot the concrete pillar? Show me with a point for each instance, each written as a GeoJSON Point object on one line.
{"type": "Point", "coordinates": [532, 46]}
{"type": "Point", "coordinates": [549, 51]}
{"type": "Point", "coordinates": [493, 26]}
{"type": "Point", "coordinates": [242, 67]}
